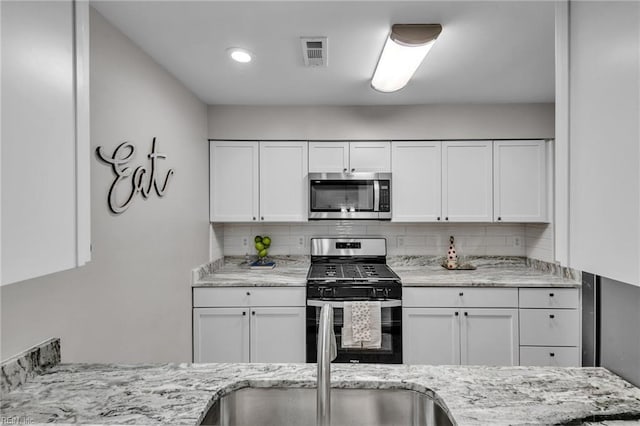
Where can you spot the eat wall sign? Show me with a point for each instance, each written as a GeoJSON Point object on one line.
{"type": "Point", "coordinates": [142, 180]}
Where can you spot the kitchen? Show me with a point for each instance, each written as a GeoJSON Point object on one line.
{"type": "Point", "coordinates": [132, 301]}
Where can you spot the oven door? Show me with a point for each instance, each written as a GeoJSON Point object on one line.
{"type": "Point", "coordinates": [390, 351]}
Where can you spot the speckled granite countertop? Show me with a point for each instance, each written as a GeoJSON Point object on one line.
{"type": "Point", "coordinates": [414, 271]}
{"type": "Point", "coordinates": [181, 393]}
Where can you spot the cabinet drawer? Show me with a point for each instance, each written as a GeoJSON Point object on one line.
{"type": "Point", "coordinates": [248, 296]}
{"type": "Point", "coordinates": [549, 298]}
{"type": "Point", "coordinates": [453, 297]}
{"type": "Point", "coordinates": [549, 327]}
{"type": "Point", "coordinates": [551, 356]}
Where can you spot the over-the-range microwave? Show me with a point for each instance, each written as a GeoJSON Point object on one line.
{"type": "Point", "coordinates": [350, 196]}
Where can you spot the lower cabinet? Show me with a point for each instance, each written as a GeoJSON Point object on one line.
{"type": "Point", "coordinates": [460, 325]}
{"type": "Point", "coordinates": [460, 336]}
{"type": "Point", "coordinates": [257, 329]}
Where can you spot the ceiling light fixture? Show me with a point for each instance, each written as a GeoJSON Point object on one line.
{"type": "Point", "coordinates": [239, 55]}
{"type": "Point", "coordinates": [402, 54]}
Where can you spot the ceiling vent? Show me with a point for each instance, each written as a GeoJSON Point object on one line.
{"type": "Point", "coordinates": [314, 51]}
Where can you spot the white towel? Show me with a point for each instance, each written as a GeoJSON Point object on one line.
{"type": "Point", "coordinates": [362, 325]}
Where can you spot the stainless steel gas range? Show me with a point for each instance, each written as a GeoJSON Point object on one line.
{"type": "Point", "coordinates": [351, 270]}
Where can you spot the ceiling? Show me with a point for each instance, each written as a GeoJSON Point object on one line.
{"type": "Point", "coordinates": [495, 52]}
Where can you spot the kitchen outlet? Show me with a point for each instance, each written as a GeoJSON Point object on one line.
{"type": "Point", "coordinates": [400, 241]}
{"type": "Point", "coordinates": [516, 242]}
{"type": "Point", "coordinates": [301, 242]}
{"type": "Point", "coordinates": [245, 242]}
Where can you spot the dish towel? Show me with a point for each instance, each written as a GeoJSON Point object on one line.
{"type": "Point", "coordinates": [362, 325]}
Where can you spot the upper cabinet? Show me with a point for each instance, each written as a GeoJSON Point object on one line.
{"type": "Point", "coordinates": [45, 138]}
{"type": "Point", "coordinates": [234, 179]}
{"type": "Point", "coordinates": [467, 181]}
{"type": "Point", "coordinates": [283, 181]}
{"type": "Point", "coordinates": [520, 181]}
{"type": "Point", "coordinates": [416, 181]}
{"type": "Point", "coordinates": [258, 181]}
{"type": "Point", "coordinates": [342, 157]}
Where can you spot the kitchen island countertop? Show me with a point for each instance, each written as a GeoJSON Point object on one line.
{"type": "Point", "coordinates": [182, 393]}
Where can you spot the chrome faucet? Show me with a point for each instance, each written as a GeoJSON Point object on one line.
{"type": "Point", "coordinates": [327, 352]}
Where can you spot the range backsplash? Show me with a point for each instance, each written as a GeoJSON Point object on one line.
{"type": "Point", "coordinates": [531, 240]}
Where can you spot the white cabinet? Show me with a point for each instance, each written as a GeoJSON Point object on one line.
{"type": "Point", "coordinates": [340, 157]}
{"type": "Point", "coordinates": [45, 138]}
{"type": "Point", "coordinates": [249, 324]}
{"type": "Point", "coordinates": [467, 181]}
{"type": "Point", "coordinates": [520, 181]}
{"type": "Point", "coordinates": [234, 181]}
{"type": "Point", "coordinates": [550, 327]}
{"type": "Point", "coordinates": [283, 182]}
{"type": "Point", "coordinates": [417, 188]}
{"type": "Point", "coordinates": [459, 329]}
{"type": "Point", "coordinates": [258, 181]}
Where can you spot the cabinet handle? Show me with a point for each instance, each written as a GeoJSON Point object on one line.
{"type": "Point", "coordinates": [552, 316]}
{"type": "Point", "coordinates": [499, 218]}
{"type": "Point", "coordinates": [446, 218]}
{"type": "Point", "coordinates": [254, 218]}
{"type": "Point", "coordinates": [244, 314]}
{"type": "Point", "coordinates": [248, 294]}
{"type": "Point", "coordinates": [344, 170]}
{"type": "Point", "coordinates": [461, 294]}
{"type": "Point", "coordinates": [466, 314]}
{"type": "Point", "coordinates": [552, 354]}
{"type": "Point", "coordinates": [438, 217]}
{"type": "Point", "coordinates": [253, 312]}
{"type": "Point", "coordinates": [457, 313]}
{"type": "Point", "coordinates": [261, 217]}
{"type": "Point", "coordinates": [550, 294]}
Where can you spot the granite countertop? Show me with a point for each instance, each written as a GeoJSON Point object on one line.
{"type": "Point", "coordinates": [414, 271]}
{"type": "Point", "coordinates": [182, 393]}
{"type": "Point", "coordinates": [490, 272]}
{"type": "Point", "coordinates": [235, 272]}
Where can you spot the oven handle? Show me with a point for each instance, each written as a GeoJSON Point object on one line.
{"type": "Point", "coordinates": [376, 195]}
{"type": "Point", "coordinates": [340, 305]}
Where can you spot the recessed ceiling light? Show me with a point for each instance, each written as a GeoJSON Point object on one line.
{"type": "Point", "coordinates": [239, 55]}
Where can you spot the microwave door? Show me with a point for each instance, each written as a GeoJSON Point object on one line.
{"type": "Point", "coordinates": [342, 197]}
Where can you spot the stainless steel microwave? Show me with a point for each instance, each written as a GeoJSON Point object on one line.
{"type": "Point", "coordinates": [350, 196]}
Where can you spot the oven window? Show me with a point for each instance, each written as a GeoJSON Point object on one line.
{"type": "Point", "coordinates": [356, 195]}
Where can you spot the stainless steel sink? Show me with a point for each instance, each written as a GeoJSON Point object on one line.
{"type": "Point", "coordinates": [297, 407]}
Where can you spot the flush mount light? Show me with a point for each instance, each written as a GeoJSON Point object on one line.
{"type": "Point", "coordinates": [402, 54]}
{"type": "Point", "coordinates": [239, 55]}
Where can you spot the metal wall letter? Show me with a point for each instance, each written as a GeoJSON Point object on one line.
{"type": "Point", "coordinates": [119, 160]}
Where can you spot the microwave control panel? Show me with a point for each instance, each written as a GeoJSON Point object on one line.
{"type": "Point", "coordinates": [385, 196]}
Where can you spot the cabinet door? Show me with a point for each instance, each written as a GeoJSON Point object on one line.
{"type": "Point", "coordinates": [489, 337]}
{"type": "Point", "coordinates": [416, 168]}
{"type": "Point", "coordinates": [278, 334]}
{"type": "Point", "coordinates": [370, 156]}
{"type": "Point", "coordinates": [283, 181]}
{"type": "Point", "coordinates": [221, 335]}
{"type": "Point", "coordinates": [467, 181]}
{"type": "Point", "coordinates": [520, 181]}
{"type": "Point", "coordinates": [328, 157]}
{"type": "Point", "coordinates": [430, 336]}
{"type": "Point", "coordinates": [234, 181]}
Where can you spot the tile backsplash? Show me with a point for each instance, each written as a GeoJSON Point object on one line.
{"type": "Point", "coordinates": [402, 238]}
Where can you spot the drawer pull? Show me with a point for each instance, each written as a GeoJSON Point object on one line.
{"type": "Point", "coordinates": [253, 312]}
{"type": "Point", "coordinates": [552, 354]}
{"type": "Point", "coordinates": [457, 313]}
{"type": "Point", "coordinates": [550, 294]}
{"type": "Point", "coordinates": [552, 316]}
{"type": "Point", "coordinates": [248, 294]}
{"type": "Point", "coordinates": [244, 313]}
{"type": "Point", "coordinates": [461, 294]}
{"type": "Point", "coordinates": [466, 314]}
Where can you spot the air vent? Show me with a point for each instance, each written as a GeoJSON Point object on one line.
{"type": "Point", "coordinates": [314, 51]}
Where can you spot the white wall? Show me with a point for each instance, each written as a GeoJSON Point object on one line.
{"type": "Point", "coordinates": [402, 239]}
{"type": "Point", "coordinates": [131, 303]}
{"type": "Point", "coordinates": [604, 136]}
{"type": "Point", "coordinates": [469, 121]}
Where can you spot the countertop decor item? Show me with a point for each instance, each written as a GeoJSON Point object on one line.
{"type": "Point", "coordinates": [459, 266]}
